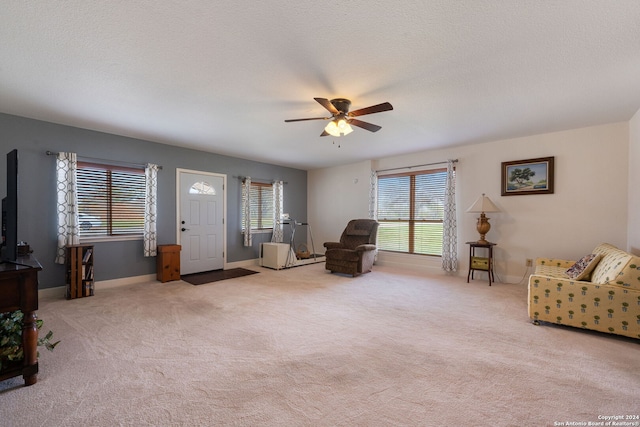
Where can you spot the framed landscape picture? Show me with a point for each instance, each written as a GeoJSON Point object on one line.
{"type": "Point", "coordinates": [531, 176]}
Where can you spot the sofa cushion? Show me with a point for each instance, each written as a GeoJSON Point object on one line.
{"type": "Point", "coordinates": [551, 271]}
{"type": "Point", "coordinates": [613, 262]}
{"type": "Point", "coordinates": [583, 267]}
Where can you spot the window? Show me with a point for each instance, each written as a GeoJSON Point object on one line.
{"type": "Point", "coordinates": [202, 187]}
{"type": "Point", "coordinates": [262, 206]}
{"type": "Point", "coordinates": [411, 212]}
{"type": "Point", "coordinates": [110, 200]}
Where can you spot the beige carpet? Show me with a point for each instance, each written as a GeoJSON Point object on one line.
{"type": "Point", "coordinates": [303, 347]}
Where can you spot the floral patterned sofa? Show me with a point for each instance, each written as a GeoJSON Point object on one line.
{"type": "Point", "coordinates": [607, 301]}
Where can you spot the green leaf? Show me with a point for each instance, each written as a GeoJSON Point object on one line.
{"type": "Point", "coordinates": [11, 337]}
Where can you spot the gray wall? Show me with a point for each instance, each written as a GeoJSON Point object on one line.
{"type": "Point", "coordinates": [37, 201]}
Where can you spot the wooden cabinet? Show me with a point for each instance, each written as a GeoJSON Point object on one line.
{"type": "Point", "coordinates": [79, 271]}
{"type": "Point", "coordinates": [168, 263]}
{"type": "Point", "coordinates": [19, 291]}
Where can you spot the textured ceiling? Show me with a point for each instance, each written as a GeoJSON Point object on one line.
{"type": "Point", "coordinates": [222, 76]}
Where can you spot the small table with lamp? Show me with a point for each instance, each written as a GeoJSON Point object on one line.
{"type": "Point", "coordinates": [481, 205]}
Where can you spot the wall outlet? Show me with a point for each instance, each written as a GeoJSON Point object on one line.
{"type": "Point", "coordinates": [529, 262]}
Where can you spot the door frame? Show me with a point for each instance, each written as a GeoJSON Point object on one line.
{"type": "Point", "coordinates": [224, 208]}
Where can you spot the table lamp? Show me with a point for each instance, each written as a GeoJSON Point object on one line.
{"type": "Point", "coordinates": [481, 205]}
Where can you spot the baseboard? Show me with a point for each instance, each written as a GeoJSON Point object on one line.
{"type": "Point", "coordinates": [59, 291]}
{"type": "Point", "coordinates": [432, 265]}
{"type": "Point", "coordinates": [242, 264]}
{"type": "Point", "coordinates": [123, 281]}
{"type": "Point", "coordinates": [410, 262]}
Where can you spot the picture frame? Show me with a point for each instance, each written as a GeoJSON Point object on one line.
{"type": "Point", "coordinates": [530, 176]}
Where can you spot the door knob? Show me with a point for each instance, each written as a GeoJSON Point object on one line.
{"type": "Point", "coordinates": [184, 229]}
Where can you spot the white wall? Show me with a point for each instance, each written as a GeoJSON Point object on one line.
{"type": "Point", "coordinates": [634, 185]}
{"type": "Point", "coordinates": [589, 205]}
{"type": "Point", "coordinates": [334, 196]}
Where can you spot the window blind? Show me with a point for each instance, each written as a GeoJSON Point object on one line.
{"type": "Point", "coordinates": [261, 206]}
{"type": "Point", "coordinates": [110, 200]}
{"type": "Point", "coordinates": [411, 212]}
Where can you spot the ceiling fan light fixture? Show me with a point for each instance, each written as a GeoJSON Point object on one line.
{"type": "Point", "coordinates": [338, 128]}
{"type": "Point", "coordinates": [342, 119]}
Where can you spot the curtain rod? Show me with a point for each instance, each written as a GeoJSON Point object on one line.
{"type": "Point", "coordinates": [51, 153]}
{"type": "Point", "coordinates": [416, 166]}
{"type": "Point", "coordinates": [261, 180]}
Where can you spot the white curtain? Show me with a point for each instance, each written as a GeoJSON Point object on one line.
{"type": "Point", "coordinates": [150, 210]}
{"type": "Point", "coordinates": [278, 196]}
{"type": "Point", "coordinates": [373, 203]}
{"type": "Point", "coordinates": [450, 228]}
{"type": "Point", "coordinates": [246, 205]}
{"type": "Point", "coordinates": [373, 195]}
{"type": "Point", "coordinates": [67, 203]}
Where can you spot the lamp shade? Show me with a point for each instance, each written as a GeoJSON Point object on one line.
{"type": "Point", "coordinates": [483, 204]}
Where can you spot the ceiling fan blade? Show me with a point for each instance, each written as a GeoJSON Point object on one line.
{"type": "Point", "coordinates": [324, 133]}
{"type": "Point", "coordinates": [304, 120]}
{"type": "Point", "coordinates": [364, 125]}
{"type": "Point", "coordinates": [328, 105]}
{"type": "Point", "coordinates": [385, 106]}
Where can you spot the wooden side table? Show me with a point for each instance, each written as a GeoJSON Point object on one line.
{"type": "Point", "coordinates": [168, 263]}
{"type": "Point", "coordinates": [481, 263]}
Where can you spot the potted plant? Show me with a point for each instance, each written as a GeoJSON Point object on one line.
{"type": "Point", "coordinates": [11, 352]}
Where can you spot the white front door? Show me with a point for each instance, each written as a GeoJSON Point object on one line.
{"type": "Point", "coordinates": [201, 221]}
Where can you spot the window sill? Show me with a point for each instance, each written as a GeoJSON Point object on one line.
{"type": "Point", "coordinates": [408, 254]}
{"type": "Point", "coordinates": [261, 231]}
{"type": "Point", "coordinates": [110, 239]}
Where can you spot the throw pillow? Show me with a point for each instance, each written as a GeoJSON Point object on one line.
{"type": "Point", "coordinates": [583, 268]}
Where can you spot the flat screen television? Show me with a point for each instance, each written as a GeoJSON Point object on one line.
{"type": "Point", "coordinates": [10, 211]}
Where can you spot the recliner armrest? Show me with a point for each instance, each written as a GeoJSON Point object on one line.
{"type": "Point", "coordinates": [366, 247]}
{"type": "Point", "coordinates": [333, 245]}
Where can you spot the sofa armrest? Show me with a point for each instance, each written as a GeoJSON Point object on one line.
{"type": "Point", "coordinates": [536, 280]}
{"type": "Point", "coordinates": [333, 245]}
{"type": "Point", "coordinates": [365, 247]}
{"type": "Point", "coordinates": [563, 263]}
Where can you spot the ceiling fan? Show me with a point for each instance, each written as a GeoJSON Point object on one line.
{"type": "Point", "coordinates": [341, 118]}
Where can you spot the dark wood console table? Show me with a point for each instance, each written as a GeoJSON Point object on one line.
{"type": "Point", "coordinates": [19, 291]}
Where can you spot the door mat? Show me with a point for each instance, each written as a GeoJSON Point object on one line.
{"type": "Point", "coordinates": [215, 275]}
